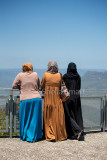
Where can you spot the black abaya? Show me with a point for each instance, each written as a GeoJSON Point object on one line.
{"type": "Point", "coordinates": [72, 107]}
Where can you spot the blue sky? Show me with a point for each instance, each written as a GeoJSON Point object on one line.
{"type": "Point", "coordinates": [38, 31]}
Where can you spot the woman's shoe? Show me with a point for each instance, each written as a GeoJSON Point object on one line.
{"type": "Point", "coordinates": [72, 137]}
{"type": "Point", "coordinates": [53, 140]}
{"type": "Point", "coordinates": [79, 136]}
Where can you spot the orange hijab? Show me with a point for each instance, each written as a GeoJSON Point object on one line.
{"type": "Point", "coordinates": [27, 67]}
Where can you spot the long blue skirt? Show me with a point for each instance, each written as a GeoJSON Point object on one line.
{"type": "Point", "coordinates": [30, 119]}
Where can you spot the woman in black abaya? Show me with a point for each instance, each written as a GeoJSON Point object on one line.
{"type": "Point", "coordinates": [72, 107]}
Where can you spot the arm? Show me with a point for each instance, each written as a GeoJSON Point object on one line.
{"type": "Point", "coordinates": [43, 82]}
{"type": "Point", "coordinates": [79, 83]}
{"type": "Point", "coordinates": [16, 82]}
{"type": "Point", "coordinates": [38, 82]}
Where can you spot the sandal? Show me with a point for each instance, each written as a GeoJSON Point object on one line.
{"type": "Point", "coordinates": [79, 136]}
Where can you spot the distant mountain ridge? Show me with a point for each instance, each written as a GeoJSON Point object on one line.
{"type": "Point", "coordinates": [7, 75]}
{"type": "Point", "coordinates": [94, 80]}
{"type": "Point", "coordinates": [91, 79]}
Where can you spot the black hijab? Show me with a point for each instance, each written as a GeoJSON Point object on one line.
{"type": "Point", "coordinates": [71, 71]}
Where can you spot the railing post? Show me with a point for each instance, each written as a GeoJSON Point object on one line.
{"type": "Point", "coordinates": [104, 113]}
{"type": "Point", "coordinates": [7, 115]}
{"type": "Point", "coordinates": [11, 106]}
{"type": "Point", "coordinates": [14, 112]}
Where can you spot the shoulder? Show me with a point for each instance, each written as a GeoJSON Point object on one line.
{"type": "Point", "coordinates": [45, 74]}
{"type": "Point", "coordinates": [19, 74]}
{"type": "Point", "coordinates": [79, 77]}
{"type": "Point", "coordinates": [59, 74]}
{"type": "Point", "coordinates": [35, 74]}
{"type": "Point", "coordinates": [64, 76]}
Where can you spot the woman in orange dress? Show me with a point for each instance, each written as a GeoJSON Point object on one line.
{"type": "Point", "coordinates": [53, 112]}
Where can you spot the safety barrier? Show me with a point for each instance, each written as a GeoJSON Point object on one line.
{"type": "Point", "coordinates": [94, 110]}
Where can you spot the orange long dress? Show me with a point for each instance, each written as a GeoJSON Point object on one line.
{"type": "Point", "coordinates": [53, 112]}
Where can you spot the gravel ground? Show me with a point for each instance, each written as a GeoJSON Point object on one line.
{"type": "Point", "coordinates": [94, 147]}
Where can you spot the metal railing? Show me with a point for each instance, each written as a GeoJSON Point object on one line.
{"type": "Point", "coordinates": [94, 110]}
